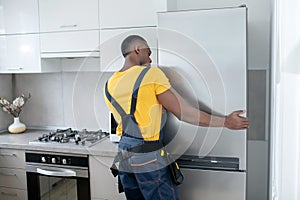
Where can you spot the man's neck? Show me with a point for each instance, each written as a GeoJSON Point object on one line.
{"type": "Point", "coordinates": [127, 64]}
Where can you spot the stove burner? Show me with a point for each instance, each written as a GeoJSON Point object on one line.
{"type": "Point", "coordinates": [73, 136]}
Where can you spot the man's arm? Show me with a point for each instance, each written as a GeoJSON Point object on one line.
{"type": "Point", "coordinates": [175, 104]}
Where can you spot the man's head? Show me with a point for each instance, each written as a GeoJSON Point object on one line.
{"type": "Point", "coordinates": [136, 46]}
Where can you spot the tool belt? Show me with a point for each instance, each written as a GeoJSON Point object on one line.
{"type": "Point", "coordinates": [173, 167]}
{"type": "Point", "coordinates": [125, 154]}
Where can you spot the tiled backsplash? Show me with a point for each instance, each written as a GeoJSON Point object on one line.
{"type": "Point", "coordinates": [5, 92]}
{"type": "Point", "coordinates": [66, 99]}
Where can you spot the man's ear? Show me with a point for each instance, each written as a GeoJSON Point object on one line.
{"type": "Point", "coordinates": [137, 49]}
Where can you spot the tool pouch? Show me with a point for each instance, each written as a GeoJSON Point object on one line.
{"type": "Point", "coordinates": [115, 172]}
{"type": "Point", "coordinates": [174, 169]}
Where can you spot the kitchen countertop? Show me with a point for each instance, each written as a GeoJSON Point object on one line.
{"type": "Point", "coordinates": [21, 141]}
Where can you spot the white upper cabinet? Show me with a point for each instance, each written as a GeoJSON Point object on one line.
{"type": "Point", "coordinates": [21, 54]}
{"type": "Point", "coordinates": [70, 44]}
{"type": "Point", "coordinates": [111, 58]}
{"type": "Point", "coordinates": [69, 28]}
{"type": "Point", "coordinates": [68, 15]}
{"type": "Point", "coordinates": [19, 16]}
{"type": "Point", "coordinates": [130, 13]}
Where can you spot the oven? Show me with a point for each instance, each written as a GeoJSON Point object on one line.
{"type": "Point", "coordinates": [57, 176]}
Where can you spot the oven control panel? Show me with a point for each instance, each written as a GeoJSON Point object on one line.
{"type": "Point", "coordinates": [56, 159]}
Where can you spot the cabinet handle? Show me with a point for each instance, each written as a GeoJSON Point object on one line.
{"type": "Point", "coordinates": [9, 194]}
{"type": "Point", "coordinates": [68, 26]}
{"type": "Point", "coordinates": [15, 69]}
{"type": "Point", "coordinates": [7, 174]}
{"type": "Point", "coordinates": [8, 154]}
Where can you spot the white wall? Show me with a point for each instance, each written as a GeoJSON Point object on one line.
{"type": "Point", "coordinates": [5, 92]}
{"type": "Point", "coordinates": [286, 101]}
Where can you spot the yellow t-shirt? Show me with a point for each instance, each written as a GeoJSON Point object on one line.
{"type": "Point", "coordinates": [148, 110]}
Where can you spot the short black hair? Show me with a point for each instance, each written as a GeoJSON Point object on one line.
{"type": "Point", "coordinates": [128, 41]}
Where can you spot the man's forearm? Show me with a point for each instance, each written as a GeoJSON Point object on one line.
{"type": "Point", "coordinates": [175, 104]}
{"type": "Point", "coordinates": [200, 118]}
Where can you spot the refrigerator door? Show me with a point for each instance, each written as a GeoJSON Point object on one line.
{"type": "Point", "coordinates": [212, 185]}
{"type": "Point", "coordinates": [203, 53]}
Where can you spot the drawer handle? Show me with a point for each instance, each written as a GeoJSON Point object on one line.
{"type": "Point", "coordinates": [8, 154]}
{"type": "Point", "coordinates": [9, 194]}
{"type": "Point", "coordinates": [68, 26]}
{"type": "Point", "coordinates": [15, 69]}
{"type": "Point", "coordinates": [8, 174]}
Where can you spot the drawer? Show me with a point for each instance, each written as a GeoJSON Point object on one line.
{"type": "Point", "coordinates": [10, 158]}
{"type": "Point", "coordinates": [12, 194]}
{"type": "Point", "coordinates": [13, 178]}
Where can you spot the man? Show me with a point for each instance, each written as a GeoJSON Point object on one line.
{"type": "Point", "coordinates": [155, 92]}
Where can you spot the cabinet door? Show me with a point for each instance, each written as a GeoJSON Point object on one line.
{"type": "Point", "coordinates": [13, 178]}
{"type": "Point", "coordinates": [64, 15]}
{"type": "Point", "coordinates": [103, 184]}
{"type": "Point", "coordinates": [19, 16]}
{"type": "Point", "coordinates": [130, 13]}
{"type": "Point", "coordinates": [111, 58]}
{"type": "Point", "coordinates": [72, 44]}
{"type": "Point", "coordinates": [12, 194]}
{"type": "Point", "coordinates": [20, 53]}
{"type": "Point", "coordinates": [11, 158]}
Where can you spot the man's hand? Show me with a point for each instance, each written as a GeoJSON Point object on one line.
{"type": "Point", "coordinates": [235, 122]}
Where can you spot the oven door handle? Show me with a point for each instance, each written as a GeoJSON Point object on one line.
{"type": "Point", "coordinates": [56, 172]}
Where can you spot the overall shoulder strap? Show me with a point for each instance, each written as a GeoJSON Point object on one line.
{"type": "Point", "coordinates": [114, 102]}
{"type": "Point", "coordinates": [135, 90]}
{"type": "Point", "coordinates": [133, 98]}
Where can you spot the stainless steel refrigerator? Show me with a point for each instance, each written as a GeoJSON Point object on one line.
{"type": "Point", "coordinates": [203, 53]}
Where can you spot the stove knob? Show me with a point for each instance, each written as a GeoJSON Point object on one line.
{"type": "Point", "coordinates": [53, 160]}
{"type": "Point", "coordinates": [43, 159]}
{"type": "Point", "coordinates": [64, 161]}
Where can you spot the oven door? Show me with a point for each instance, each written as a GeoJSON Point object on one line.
{"type": "Point", "coordinates": [57, 183]}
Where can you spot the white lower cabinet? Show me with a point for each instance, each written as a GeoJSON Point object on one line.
{"type": "Point", "coordinates": [103, 184]}
{"type": "Point", "coordinates": [13, 185]}
{"type": "Point", "coordinates": [13, 178]}
{"type": "Point", "coordinates": [12, 158]}
{"type": "Point", "coordinates": [12, 194]}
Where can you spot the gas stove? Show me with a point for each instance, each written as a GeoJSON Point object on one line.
{"type": "Point", "coordinates": [71, 137]}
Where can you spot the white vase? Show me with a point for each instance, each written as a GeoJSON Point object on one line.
{"type": "Point", "coordinates": [17, 126]}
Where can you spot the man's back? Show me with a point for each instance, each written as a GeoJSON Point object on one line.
{"type": "Point", "coordinates": [148, 109]}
